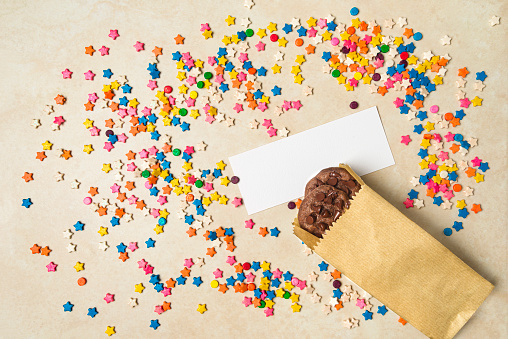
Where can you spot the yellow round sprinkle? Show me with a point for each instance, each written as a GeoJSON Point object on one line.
{"type": "Point", "coordinates": [193, 94]}
{"type": "Point", "coordinates": [358, 75]}
{"type": "Point", "coordinates": [214, 283]}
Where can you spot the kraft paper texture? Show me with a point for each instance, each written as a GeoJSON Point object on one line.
{"type": "Point", "coordinates": [400, 264]}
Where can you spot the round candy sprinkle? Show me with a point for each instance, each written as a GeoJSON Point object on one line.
{"type": "Point", "coordinates": [417, 36]}
{"type": "Point", "coordinates": [336, 283]}
{"type": "Point", "coordinates": [353, 105]}
{"type": "Point", "coordinates": [87, 201]}
{"type": "Point", "coordinates": [354, 11]}
{"type": "Point", "coordinates": [291, 205]}
{"type": "Point", "coordinates": [235, 179]}
{"type": "Point", "coordinates": [81, 281]}
{"type": "Point", "coordinates": [434, 108]}
{"type": "Point", "coordinates": [447, 231]}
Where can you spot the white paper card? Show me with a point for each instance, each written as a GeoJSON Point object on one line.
{"type": "Point", "coordinates": [277, 172]}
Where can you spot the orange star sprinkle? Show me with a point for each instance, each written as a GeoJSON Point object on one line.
{"type": "Point", "coordinates": [41, 156]}
{"type": "Point", "coordinates": [402, 321]}
{"type": "Point", "coordinates": [89, 106]}
{"type": "Point", "coordinates": [157, 51]}
{"type": "Point", "coordinates": [45, 251]}
{"type": "Point", "coordinates": [170, 283]}
{"type": "Point", "coordinates": [191, 232]}
{"type": "Point", "coordinates": [476, 208]}
{"type": "Point", "coordinates": [463, 72]}
{"type": "Point", "coordinates": [263, 231]}
{"type": "Point", "coordinates": [179, 39]}
{"type": "Point", "coordinates": [28, 177]}
{"type": "Point", "coordinates": [123, 256]}
{"type": "Point", "coordinates": [210, 251]}
{"type": "Point", "coordinates": [89, 50]}
{"type": "Point", "coordinates": [66, 154]}
{"type": "Point", "coordinates": [223, 288]}
{"type": "Point", "coordinates": [35, 249]}
{"type": "Point", "coordinates": [60, 99]}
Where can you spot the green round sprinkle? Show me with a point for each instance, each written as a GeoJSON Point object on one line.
{"type": "Point", "coordinates": [262, 304]}
{"type": "Point", "coordinates": [177, 152]}
{"type": "Point", "coordinates": [249, 32]}
{"type": "Point", "coordinates": [198, 183]}
{"type": "Point", "coordinates": [201, 84]}
{"type": "Point", "coordinates": [208, 75]}
{"type": "Point", "coordinates": [385, 48]}
{"type": "Point", "coordinates": [145, 173]}
{"type": "Point", "coordinates": [182, 112]}
{"type": "Point", "coordinates": [286, 295]}
{"type": "Point", "coordinates": [335, 73]}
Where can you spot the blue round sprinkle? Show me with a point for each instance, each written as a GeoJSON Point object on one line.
{"type": "Point", "coordinates": [458, 137]}
{"type": "Point", "coordinates": [447, 231]}
{"type": "Point", "coordinates": [417, 36]}
{"type": "Point", "coordinates": [162, 221]}
{"type": "Point", "coordinates": [354, 11]}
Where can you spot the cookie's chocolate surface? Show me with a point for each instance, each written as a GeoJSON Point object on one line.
{"type": "Point", "coordinates": [321, 207]}
{"type": "Point", "coordinates": [337, 177]}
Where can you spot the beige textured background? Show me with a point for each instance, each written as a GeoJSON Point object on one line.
{"type": "Point", "coordinates": [40, 39]}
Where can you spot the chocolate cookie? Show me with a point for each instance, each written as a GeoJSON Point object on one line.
{"type": "Point", "coordinates": [337, 177]}
{"type": "Point", "coordinates": [321, 207]}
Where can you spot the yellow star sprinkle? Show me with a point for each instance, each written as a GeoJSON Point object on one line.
{"type": "Point", "coordinates": [163, 213]}
{"type": "Point", "coordinates": [88, 149]}
{"type": "Point", "coordinates": [265, 266]}
{"type": "Point", "coordinates": [478, 177]}
{"type": "Point", "coordinates": [215, 196]}
{"type": "Point", "coordinates": [110, 330]}
{"type": "Point", "coordinates": [296, 307]}
{"type": "Point", "coordinates": [230, 20]}
{"type": "Point", "coordinates": [88, 123]}
{"type": "Point", "coordinates": [207, 34]}
{"type": "Point", "coordinates": [272, 27]}
{"type": "Point", "coordinates": [311, 22]}
{"type": "Point", "coordinates": [261, 33]}
{"type": "Point", "coordinates": [461, 204]}
{"type": "Point", "coordinates": [224, 181]}
{"type": "Point", "coordinates": [139, 288]}
{"type": "Point", "coordinates": [300, 59]}
{"type": "Point", "coordinates": [106, 168]}
{"type": "Point", "coordinates": [103, 231]}
{"type": "Point", "coordinates": [46, 145]}
{"type": "Point", "coordinates": [159, 229]}
{"type": "Point", "coordinates": [295, 297]}
{"type": "Point", "coordinates": [206, 201]}
{"type": "Point", "coordinates": [194, 113]}
{"type": "Point", "coordinates": [223, 200]}
{"type": "Point", "coordinates": [134, 103]}
{"type": "Point", "coordinates": [476, 101]}
{"type": "Point", "coordinates": [429, 126]}
{"type": "Point", "coordinates": [276, 69]}
{"type": "Point", "coordinates": [299, 79]}
{"type": "Point", "coordinates": [220, 165]}
{"type": "Point", "coordinates": [201, 308]}
{"type": "Point", "coordinates": [79, 266]}
{"type": "Point", "coordinates": [187, 166]}
{"type": "Point", "coordinates": [282, 42]}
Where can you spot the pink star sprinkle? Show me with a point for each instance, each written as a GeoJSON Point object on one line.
{"type": "Point", "coordinates": [66, 74]}
{"type": "Point", "coordinates": [231, 260]}
{"type": "Point", "coordinates": [272, 132]}
{"type": "Point", "coordinates": [360, 303]}
{"type": "Point", "coordinates": [89, 75]}
{"type": "Point", "coordinates": [267, 123]}
{"type": "Point", "coordinates": [237, 201]}
{"type": "Point", "coordinates": [249, 223]}
{"type": "Point", "coordinates": [238, 108]}
{"type": "Point", "coordinates": [405, 139]}
{"type": "Point", "coordinates": [104, 50]}
{"type": "Point", "coordinates": [133, 246]}
{"type": "Point", "coordinates": [260, 46]}
{"type": "Point", "coordinates": [142, 263]}
{"type": "Point", "coordinates": [109, 298]}
{"type": "Point", "coordinates": [217, 274]}
{"type": "Point", "coordinates": [152, 84]}
{"type": "Point", "coordinates": [476, 162]}
{"type": "Point", "coordinates": [408, 203]}
{"type": "Point", "coordinates": [139, 46]}
{"type": "Point", "coordinates": [247, 301]}
{"type": "Point", "coordinates": [269, 312]}
{"type": "Point", "coordinates": [51, 267]}
{"type": "Point", "coordinates": [188, 263]}
{"type": "Point", "coordinates": [113, 34]}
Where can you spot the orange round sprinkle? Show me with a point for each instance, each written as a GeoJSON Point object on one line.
{"type": "Point", "coordinates": [457, 188]}
{"type": "Point", "coordinates": [448, 116]}
{"type": "Point", "coordinates": [298, 42]}
{"type": "Point", "coordinates": [251, 287]}
{"type": "Point", "coordinates": [189, 197]}
{"type": "Point", "coordinates": [351, 30]}
{"type": "Point", "coordinates": [252, 70]}
{"type": "Point", "coordinates": [81, 281]}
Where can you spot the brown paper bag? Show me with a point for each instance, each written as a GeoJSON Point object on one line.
{"type": "Point", "coordinates": [400, 264]}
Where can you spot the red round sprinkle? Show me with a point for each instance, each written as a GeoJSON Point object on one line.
{"type": "Point", "coordinates": [404, 55]}
{"type": "Point", "coordinates": [274, 37]}
{"type": "Point", "coordinates": [168, 89]}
